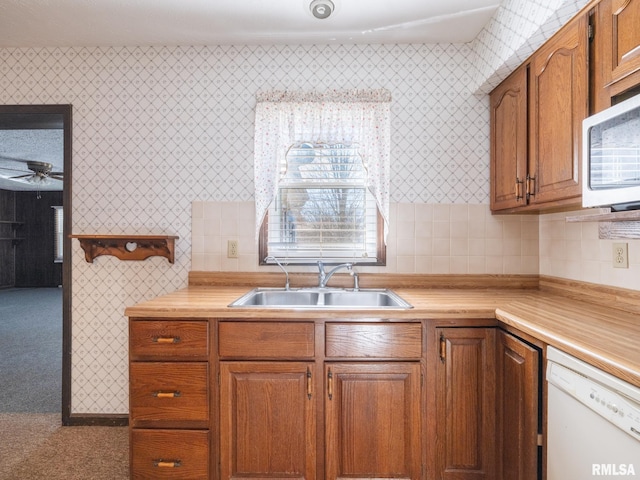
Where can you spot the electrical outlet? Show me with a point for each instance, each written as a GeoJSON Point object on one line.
{"type": "Point", "coordinates": [232, 249]}
{"type": "Point", "coordinates": [620, 255]}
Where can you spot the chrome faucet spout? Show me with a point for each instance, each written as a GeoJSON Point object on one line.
{"type": "Point", "coordinates": [323, 277]}
{"type": "Point", "coordinates": [274, 259]}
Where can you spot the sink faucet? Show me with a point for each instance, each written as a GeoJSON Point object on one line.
{"type": "Point", "coordinates": [271, 257]}
{"type": "Point", "coordinates": [323, 277]}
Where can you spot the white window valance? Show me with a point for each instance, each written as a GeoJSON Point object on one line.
{"type": "Point", "coordinates": [346, 117]}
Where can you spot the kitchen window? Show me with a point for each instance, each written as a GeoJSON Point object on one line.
{"type": "Point", "coordinates": [323, 209]}
{"type": "Point", "coordinates": [58, 225]}
{"type": "Point", "coordinates": [325, 199]}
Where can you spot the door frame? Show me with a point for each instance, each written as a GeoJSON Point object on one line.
{"type": "Point", "coordinates": [65, 111]}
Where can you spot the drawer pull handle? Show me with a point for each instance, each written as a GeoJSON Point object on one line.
{"type": "Point", "coordinates": [167, 394]}
{"type": "Point", "coordinates": [167, 463]}
{"type": "Point", "coordinates": [166, 340]}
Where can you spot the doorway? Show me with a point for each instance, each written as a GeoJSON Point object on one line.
{"type": "Point", "coordinates": [40, 173]}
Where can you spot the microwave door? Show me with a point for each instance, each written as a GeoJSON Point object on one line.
{"type": "Point", "coordinates": [613, 160]}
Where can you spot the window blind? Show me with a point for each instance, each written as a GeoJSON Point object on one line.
{"type": "Point", "coordinates": [323, 208]}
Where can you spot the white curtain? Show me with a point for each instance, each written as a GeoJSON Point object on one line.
{"type": "Point", "coordinates": [349, 117]}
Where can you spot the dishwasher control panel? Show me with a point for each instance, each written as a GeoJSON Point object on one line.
{"type": "Point", "coordinates": [613, 406]}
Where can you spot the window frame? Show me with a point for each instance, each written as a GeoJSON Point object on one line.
{"type": "Point", "coordinates": [381, 250]}
{"type": "Point", "coordinates": [58, 233]}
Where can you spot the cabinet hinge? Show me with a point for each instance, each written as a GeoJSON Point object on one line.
{"type": "Point", "coordinates": [540, 440]}
{"type": "Point", "coordinates": [590, 32]}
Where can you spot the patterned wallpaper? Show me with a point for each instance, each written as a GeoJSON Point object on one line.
{"type": "Point", "coordinates": [516, 30]}
{"type": "Point", "coordinates": [155, 129]}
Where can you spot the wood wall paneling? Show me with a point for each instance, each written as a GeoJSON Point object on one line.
{"type": "Point", "coordinates": [34, 265]}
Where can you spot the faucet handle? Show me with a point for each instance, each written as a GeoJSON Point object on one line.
{"type": "Point", "coordinates": [354, 274]}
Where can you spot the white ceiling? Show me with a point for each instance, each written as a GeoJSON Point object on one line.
{"type": "Point", "coordinates": [19, 146]}
{"type": "Point", "coordinates": [78, 23]}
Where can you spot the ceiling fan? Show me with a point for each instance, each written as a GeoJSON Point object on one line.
{"type": "Point", "coordinates": [41, 172]}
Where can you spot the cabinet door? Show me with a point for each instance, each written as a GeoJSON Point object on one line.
{"type": "Point", "coordinates": [509, 141]}
{"type": "Point", "coordinates": [267, 420]}
{"type": "Point", "coordinates": [373, 420]}
{"type": "Point", "coordinates": [517, 407]}
{"type": "Point", "coordinates": [465, 404]}
{"type": "Point", "coordinates": [619, 30]}
{"type": "Point", "coordinates": [558, 104]}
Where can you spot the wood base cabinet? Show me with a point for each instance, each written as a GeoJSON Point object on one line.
{"type": "Point", "coordinates": [486, 406]}
{"type": "Point", "coordinates": [267, 420]}
{"type": "Point", "coordinates": [329, 399]}
{"type": "Point", "coordinates": [373, 420]}
{"type": "Point", "coordinates": [517, 407]}
{"type": "Point", "coordinates": [169, 399]}
{"type": "Point", "coordinates": [465, 404]}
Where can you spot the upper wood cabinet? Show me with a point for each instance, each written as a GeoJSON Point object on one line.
{"type": "Point", "coordinates": [508, 104]}
{"type": "Point", "coordinates": [559, 102]}
{"type": "Point", "coordinates": [616, 61]}
{"type": "Point", "coordinates": [536, 122]}
{"type": "Point", "coordinates": [620, 30]}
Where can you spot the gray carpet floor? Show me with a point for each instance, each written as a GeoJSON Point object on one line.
{"type": "Point", "coordinates": [31, 350]}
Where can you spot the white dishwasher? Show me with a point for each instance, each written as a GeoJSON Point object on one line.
{"type": "Point", "coordinates": [593, 422]}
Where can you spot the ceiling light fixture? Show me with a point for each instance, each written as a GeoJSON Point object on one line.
{"type": "Point", "coordinates": [321, 8]}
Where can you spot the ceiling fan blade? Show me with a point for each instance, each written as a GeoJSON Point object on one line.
{"type": "Point", "coordinates": [431, 20]}
{"type": "Point", "coordinates": [8, 169]}
{"type": "Point", "coordinates": [14, 159]}
{"type": "Point", "coordinates": [56, 173]}
{"type": "Point", "coordinates": [57, 177]}
{"type": "Point", "coordinates": [22, 176]}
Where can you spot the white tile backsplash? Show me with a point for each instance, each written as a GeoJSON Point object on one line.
{"type": "Point", "coordinates": [574, 251]}
{"type": "Point", "coordinates": [423, 238]}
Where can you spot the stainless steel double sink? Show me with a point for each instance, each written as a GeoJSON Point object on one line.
{"type": "Point", "coordinates": [321, 298]}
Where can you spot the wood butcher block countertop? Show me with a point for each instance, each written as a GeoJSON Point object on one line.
{"type": "Point", "coordinates": [600, 325]}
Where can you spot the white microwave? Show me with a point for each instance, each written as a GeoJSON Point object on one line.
{"type": "Point", "coordinates": [611, 157]}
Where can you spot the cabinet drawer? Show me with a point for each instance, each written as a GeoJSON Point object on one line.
{"type": "Point", "coordinates": [163, 340]}
{"type": "Point", "coordinates": [373, 340]}
{"type": "Point", "coordinates": [169, 394]}
{"type": "Point", "coordinates": [175, 454]}
{"type": "Point", "coordinates": [266, 339]}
